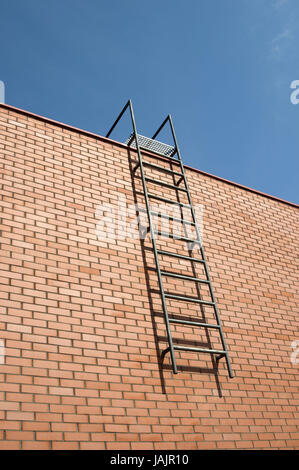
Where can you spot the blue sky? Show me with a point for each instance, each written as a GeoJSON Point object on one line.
{"type": "Point", "coordinates": [222, 68]}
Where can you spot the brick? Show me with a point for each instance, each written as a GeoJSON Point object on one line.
{"type": "Point", "coordinates": [35, 426]}
{"type": "Point", "coordinates": [94, 445]}
{"type": "Point", "coordinates": [19, 435]}
{"type": "Point", "coordinates": [65, 445]}
{"type": "Point", "coordinates": [61, 390]}
{"type": "Point", "coordinates": [87, 270]}
{"type": "Point", "coordinates": [10, 445]}
{"type": "Point", "coordinates": [9, 405]}
{"type": "Point", "coordinates": [48, 436]}
{"type": "Point", "coordinates": [19, 415]}
{"type": "Point", "coordinates": [75, 436]}
{"type": "Point", "coordinates": [34, 445]}
{"type": "Point", "coordinates": [10, 425]}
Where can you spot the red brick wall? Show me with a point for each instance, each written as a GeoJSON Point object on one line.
{"type": "Point", "coordinates": [82, 324]}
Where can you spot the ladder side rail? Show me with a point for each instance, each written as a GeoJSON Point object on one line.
{"type": "Point", "coordinates": [152, 234]}
{"type": "Point", "coordinates": [201, 249]}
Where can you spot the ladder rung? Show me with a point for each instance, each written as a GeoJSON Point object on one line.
{"type": "Point", "coordinates": [175, 255]}
{"type": "Point", "coordinates": [175, 219]}
{"type": "Point", "coordinates": [170, 201]}
{"type": "Point", "coordinates": [175, 237]}
{"type": "Point", "coordinates": [187, 278]}
{"type": "Point", "coordinates": [189, 299]}
{"type": "Point", "coordinates": [161, 168]}
{"type": "Point", "coordinates": [193, 323]}
{"type": "Point", "coordinates": [168, 185]}
{"type": "Point", "coordinates": [189, 348]}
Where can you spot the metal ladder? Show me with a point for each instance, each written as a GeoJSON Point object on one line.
{"type": "Point", "coordinates": [168, 152]}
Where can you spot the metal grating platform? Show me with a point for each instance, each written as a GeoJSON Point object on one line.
{"type": "Point", "coordinates": [151, 144]}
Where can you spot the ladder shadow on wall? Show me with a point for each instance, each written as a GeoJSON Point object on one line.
{"type": "Point", "coordinates": [157, 315]}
